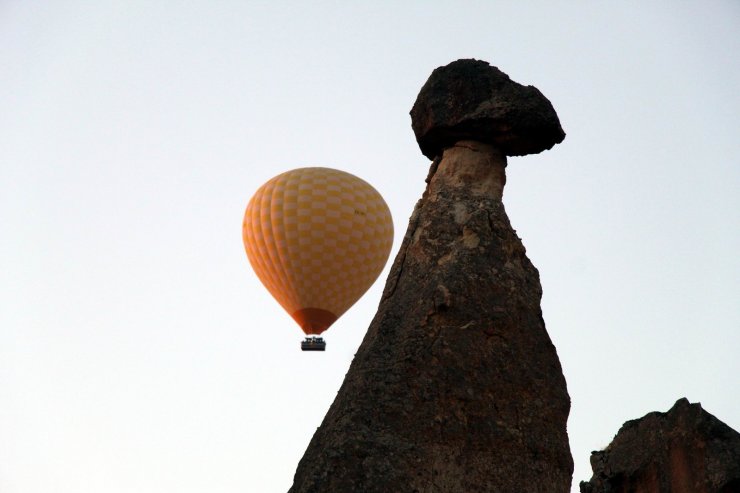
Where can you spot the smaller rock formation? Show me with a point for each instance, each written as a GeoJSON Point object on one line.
{"type": "Point", "coordinates": [686, 450]}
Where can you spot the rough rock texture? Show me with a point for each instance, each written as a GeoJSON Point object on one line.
{"type": "Point", "coordinates": [456, 386]}
{"type": "Point", "coordinates": [686, 450]}
{"type": "Point", "coordinates": [469, 99]}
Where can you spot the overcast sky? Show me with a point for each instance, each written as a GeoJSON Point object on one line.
{"type": "Point", "coordinates": [138, 350]}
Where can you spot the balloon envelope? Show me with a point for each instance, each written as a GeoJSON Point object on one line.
{"type": "Point", "coordinates": [317, 238]}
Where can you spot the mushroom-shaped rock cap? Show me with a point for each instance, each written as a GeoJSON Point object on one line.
{"type": "Point", "coordinates": [471, 100]}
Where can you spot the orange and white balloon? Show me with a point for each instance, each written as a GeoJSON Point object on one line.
{"type": "Point", "coordinates": [317, 238]}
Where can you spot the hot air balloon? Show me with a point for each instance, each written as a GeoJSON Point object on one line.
{"type": "Point", "coordinates": [317, 238]}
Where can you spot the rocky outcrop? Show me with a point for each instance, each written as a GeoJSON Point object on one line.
{"type": "Point", "coordinates": [456, 386]}
{"type": "Point", "coordinates": [686, 450]}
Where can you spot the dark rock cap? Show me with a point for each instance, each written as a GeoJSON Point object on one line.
{"type": "Point", "coordinates": [471, 100]}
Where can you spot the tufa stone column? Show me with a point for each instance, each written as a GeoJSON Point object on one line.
{"type": "Point", "coordinates": [456, 386]}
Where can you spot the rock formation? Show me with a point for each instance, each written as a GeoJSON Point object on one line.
{"type": "Point", "coordinates": [456, 386]}
{"type": "Point", "coordinates": [686, 450]}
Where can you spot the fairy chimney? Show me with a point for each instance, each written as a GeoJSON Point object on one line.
{"type": "Point", "coordinates": [457, 386]}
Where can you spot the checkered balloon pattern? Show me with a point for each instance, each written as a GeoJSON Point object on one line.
{"type": "Point", "coordinates": [317, 238]}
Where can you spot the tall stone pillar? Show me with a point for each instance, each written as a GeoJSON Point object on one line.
{"type": "Point", "coordinates": [456, 386]}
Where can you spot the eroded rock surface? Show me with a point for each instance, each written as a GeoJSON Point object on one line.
{"type": "Point", "coordinates": [686, 450]}
{"type": "Point", "coordinates": [456, 386]}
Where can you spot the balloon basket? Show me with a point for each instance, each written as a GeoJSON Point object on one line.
{"type": "Point", "coordinates": [313, 344]}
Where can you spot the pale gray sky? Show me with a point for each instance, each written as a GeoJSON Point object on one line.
{"type": "Point", "coordinates": [138, 351]}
